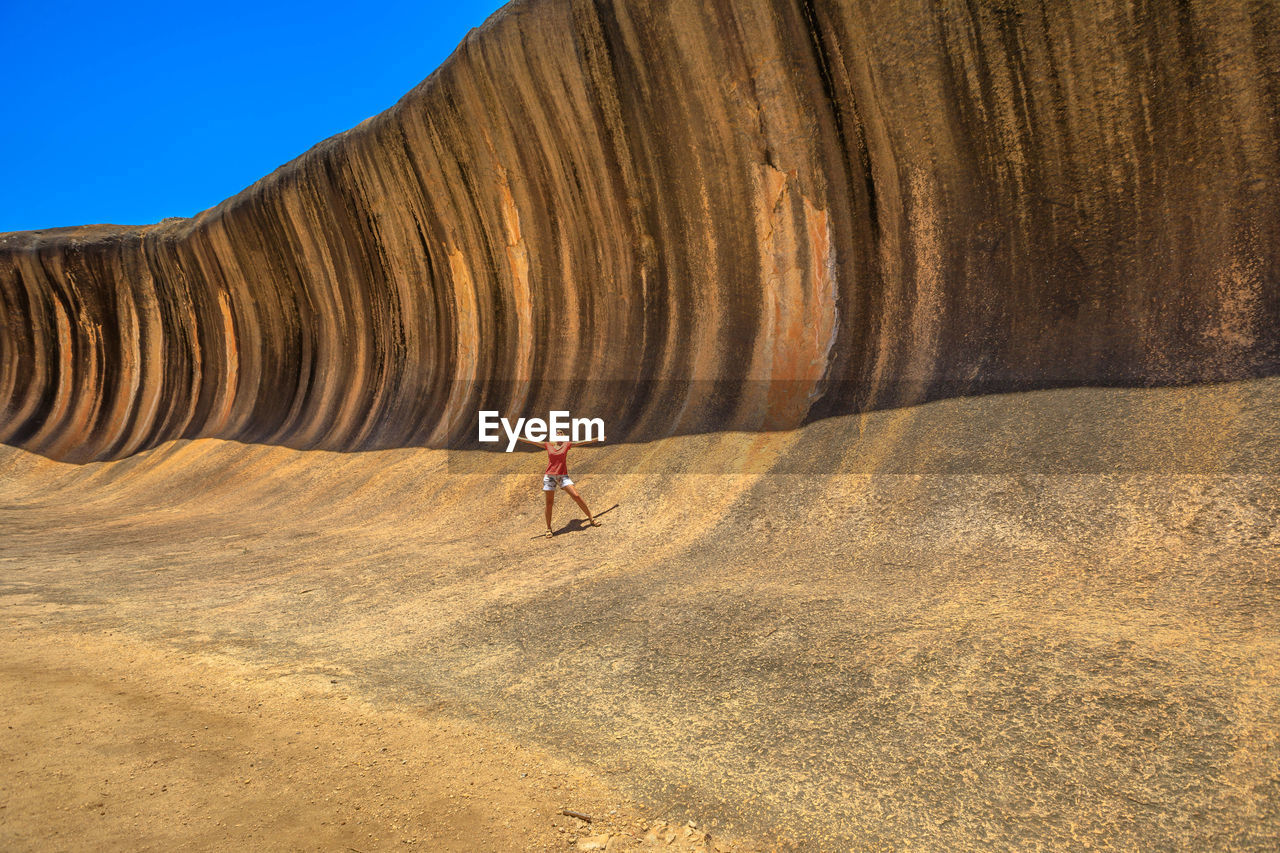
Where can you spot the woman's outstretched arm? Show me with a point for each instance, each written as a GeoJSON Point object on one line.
{"type": "Point", "coordinates": [541, 444]}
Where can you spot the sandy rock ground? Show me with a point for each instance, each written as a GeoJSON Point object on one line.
{"type": "Point", "coordinates": [1033, 620]}
{"type": "Point", "coordinates": [110, 743]}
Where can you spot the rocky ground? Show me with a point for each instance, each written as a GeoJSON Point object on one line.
{"type": "Point", "coordinates": [1031, 620]}
{"type": "Point", "coordinates": [111, 743]}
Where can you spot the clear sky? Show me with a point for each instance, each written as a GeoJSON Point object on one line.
{"type": "Point", "coordinates": [130, 112]}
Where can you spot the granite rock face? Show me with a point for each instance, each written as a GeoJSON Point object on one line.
{"type": "Point", "coordinates": [824, 207]}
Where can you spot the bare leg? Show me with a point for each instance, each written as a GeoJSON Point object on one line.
{"type": "Point", "coordinates": [551, 499]}
{"type": "Point", "coordinates": [573, 493]}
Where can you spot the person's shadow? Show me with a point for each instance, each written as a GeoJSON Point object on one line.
{"type": "Point", "coordinates": [576, 525]}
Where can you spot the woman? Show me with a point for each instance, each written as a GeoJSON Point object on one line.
{"type": "Point", "coordinates": [557, 474]}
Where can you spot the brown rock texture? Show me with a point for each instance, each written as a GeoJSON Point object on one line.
{"type": "Point", "coordinates": [770, 211]}
{"type": "Point", "coordinates": [845, 595]}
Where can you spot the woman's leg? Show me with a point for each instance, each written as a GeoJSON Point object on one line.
{"type": "Point", "coordinates": [551, 498]}
{"type": "Point", "coordinates": [573, 493]}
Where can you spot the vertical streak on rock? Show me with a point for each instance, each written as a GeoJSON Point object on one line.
{"type": "Point", "coordinates": [126, 415]}
{"type": "Point", "coordinates": [518, 264]}
{"type": "Point", "coordinates": [822, 295]}
{"type": "Point", "coordinates": [1233, 326]}
{"type": "Point", "coordinates": [466, 326]}
{"type": "Point", "coordinates": [791, 352]}
{"type": "Point", "coordinates": [179, 326]}
{"type": "Point", "coordinates": [63, 356]}
{"type": "Point", "coordinates": [151, 351]}
{"type": "Point", "coordinates": [230, 373]}
{"type": "Point", "coordinates": [382, 306]}
{"type": "Point", "coordinates": [33, 384]}
{"type": "Point", "coordinates": [13, 326]}
{"type": "Point", "coordinates": [325, 355]}
{"type": "Point", "coordinates": [928, 302]}
{"type": "Point", "coordinates": [240, 323]}
{"type": "Point", "coordinates": [618, 318]}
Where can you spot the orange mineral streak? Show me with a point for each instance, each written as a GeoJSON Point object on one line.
{"type": "Point", "coordinates": [796, 338]}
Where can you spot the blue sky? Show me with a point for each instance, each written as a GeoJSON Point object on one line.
{"type": "Point", "coordinates": [128, 113]}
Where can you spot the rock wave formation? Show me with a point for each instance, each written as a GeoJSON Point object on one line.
{"type": "Point", "coordinates": [933, 615]}
{"type": "Point", "coordinates": [824, 207]}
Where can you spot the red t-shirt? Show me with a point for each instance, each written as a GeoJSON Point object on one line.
{"type": "Point", "coordinates": [556, 461]}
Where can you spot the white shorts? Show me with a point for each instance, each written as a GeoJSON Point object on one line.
{"type": "Point", "coordinates": [550, 481]}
